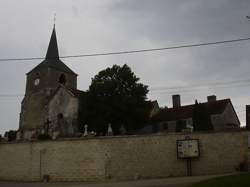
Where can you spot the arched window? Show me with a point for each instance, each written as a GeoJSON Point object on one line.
{"type": "Point", "coordinates": [62, 79]}
{"type": "Point", "coordinates": [37, 79]}
{"type": "Point", "coordinates": [59, 116]}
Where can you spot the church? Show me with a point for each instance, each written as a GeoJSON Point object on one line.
{"type": "Point", "coordinates": [51, 102]}
{"type": "Point", "coordinates": [51, 105]}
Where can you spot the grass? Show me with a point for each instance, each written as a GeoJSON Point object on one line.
{"type": "Point", "coordinates": [241, 180]}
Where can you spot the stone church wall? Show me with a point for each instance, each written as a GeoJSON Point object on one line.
{"type": "Point", "coordinates": [54, 76]}
{"type": "Point", "coordinates": [116, 158]}
{"type": "Point", "coordinates": [63, 102]}
{"type": "Point", "coordinates": [33, 110]}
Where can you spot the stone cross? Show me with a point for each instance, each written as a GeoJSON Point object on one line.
{"type": "Point", "coordinates": [110, 131]}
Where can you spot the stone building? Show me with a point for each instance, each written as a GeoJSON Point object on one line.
{"type": "Point", "coordinates": [221, 112]}
{"type": "Point", "coordinates": [51, 99]}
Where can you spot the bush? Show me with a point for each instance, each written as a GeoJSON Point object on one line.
{"type": "Point", "coordinates": [44, 137]}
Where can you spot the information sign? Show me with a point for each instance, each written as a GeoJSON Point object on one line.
{"type": "Point", "coordinates": [188, 148]}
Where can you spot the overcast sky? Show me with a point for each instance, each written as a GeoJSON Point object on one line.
{"type": "Point", "coordinates": [96, 26]}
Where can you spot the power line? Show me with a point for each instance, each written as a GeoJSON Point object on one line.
{"type": "Point", "coordinates": [201, 85]}
{"type": "Point", "coordinates": [190, 88]}
{"type": "Point", "coordinates": [133, 51]}
{"type": "Point", "coordinates": [201, 89]}
{"type": "Point", "coordinates": [11, 95]}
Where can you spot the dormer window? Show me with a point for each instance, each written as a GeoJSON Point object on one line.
{"type": "Point", "coordinates": [62, 79]}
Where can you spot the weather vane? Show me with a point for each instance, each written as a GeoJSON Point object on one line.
{"type": "Point", "coordinates": [54, 19]}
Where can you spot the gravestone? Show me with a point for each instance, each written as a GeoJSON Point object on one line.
{"type": "Point", "coordinates": [110, 131]}
{"type": "Point", "coordinates": [85, 130]}
{"type": "Point", "coordinates": [122, 130]}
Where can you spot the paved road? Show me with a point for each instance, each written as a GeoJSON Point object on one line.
{"type": "Point", "coordinates": [167, 182]}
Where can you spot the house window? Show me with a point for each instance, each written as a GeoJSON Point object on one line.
{"type": "Point", "coordinates": [60, 116]}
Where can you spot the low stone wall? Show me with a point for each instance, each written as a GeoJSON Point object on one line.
{"type": "Point", "coordinates": [118, 158]}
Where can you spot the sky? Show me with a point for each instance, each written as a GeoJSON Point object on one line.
{"type": "Point", "coordinates": [99, 26]}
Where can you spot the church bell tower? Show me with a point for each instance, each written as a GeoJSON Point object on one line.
{"type": "Point", "coordinates": [41, 83]}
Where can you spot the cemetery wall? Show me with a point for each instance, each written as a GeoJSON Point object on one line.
{"type": "Point", "coordinates": [120, 158]}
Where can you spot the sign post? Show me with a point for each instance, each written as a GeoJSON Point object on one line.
{"type": "Point", "coordinates": [188, 149]}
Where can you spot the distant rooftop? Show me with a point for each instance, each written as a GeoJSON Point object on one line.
{"type": "Point", "coordinates": [184, 112]}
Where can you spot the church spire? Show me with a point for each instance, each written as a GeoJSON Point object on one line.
{"type": "Point", "coordinates": [52, 52]}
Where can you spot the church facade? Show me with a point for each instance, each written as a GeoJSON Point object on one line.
{"type": "Point", "coordinates": [51, 102]}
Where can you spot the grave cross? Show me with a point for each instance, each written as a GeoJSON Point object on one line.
{"type": "Point", "coordinates": [47, 126]}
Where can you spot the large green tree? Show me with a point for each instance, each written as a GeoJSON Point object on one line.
{"type": "Point", "coordinates": [115, 96]}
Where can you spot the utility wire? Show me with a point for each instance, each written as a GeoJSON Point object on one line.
{"type": "Point", "coordinates": [11, 95]}
{"type": "Point", "coordinates": [201, 85]}
{"type": "Point", "coordinates": [164, 90]}
{"type": "Point", "coordinates": [199, 89]}
{"type": "Point", "coordinates": [133, 51]}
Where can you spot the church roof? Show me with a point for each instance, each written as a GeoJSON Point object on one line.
{"type": "Point", "coordinates": [73, 92]}
{"type": "Point", "coordinates": [76, 92]}
{"type": "Point", "coordinates": [52, 52]}
{"type": "Point", "coordinates": [52, 59]}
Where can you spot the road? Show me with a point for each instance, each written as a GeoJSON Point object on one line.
{"type": "Point", "coordinates": [166, 182]}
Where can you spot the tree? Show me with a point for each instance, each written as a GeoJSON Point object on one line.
{"type": "Point", "coordinates": [115, 96]}
{"type": "Point", "coordinates": [201, 118]}
{"type": "Point", "coordinates": [10, 135]}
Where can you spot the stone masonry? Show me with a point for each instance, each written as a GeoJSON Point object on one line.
{"type": "Point", "coordinates": [120, 158]}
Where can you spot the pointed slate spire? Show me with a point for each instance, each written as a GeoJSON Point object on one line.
{"type": "Point", "coordinates": [52, 57]}
{"type": "Point", "coordinates": [52, 52]}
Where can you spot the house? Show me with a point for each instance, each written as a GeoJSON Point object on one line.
{"type": "Point", "coordinates": [221, 115]}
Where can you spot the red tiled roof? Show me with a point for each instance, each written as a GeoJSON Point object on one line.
{"type": "Point", "coordinates": [184, 112]}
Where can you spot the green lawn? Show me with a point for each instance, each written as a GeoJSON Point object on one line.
{"type": "Point", "coordinates": [242, 180]}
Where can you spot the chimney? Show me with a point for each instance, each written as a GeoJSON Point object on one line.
{"type": "Point", "coordinates": [248, 117]}
{"type": "Point", "coordinates": [211, 98]}
{"type": "Point", "coordinates": [176, 101]}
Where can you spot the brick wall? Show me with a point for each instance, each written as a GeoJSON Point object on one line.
{"type": "Point", "coordinates": [116, 158]}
